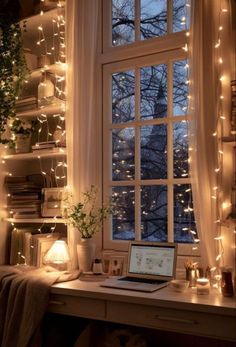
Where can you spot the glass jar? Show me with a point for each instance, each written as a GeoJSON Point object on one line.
{"type": "Point", "coordinates": [226, 282]}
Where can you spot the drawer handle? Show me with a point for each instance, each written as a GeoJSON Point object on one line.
{"type": "Point", "coordinates": [54, 302]}
{"type": "Point", "coordinates": [173, 319]}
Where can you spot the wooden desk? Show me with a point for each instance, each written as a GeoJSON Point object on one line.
{"type": "Point", "coordinates": [208, 315]}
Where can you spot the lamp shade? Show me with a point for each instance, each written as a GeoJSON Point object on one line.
{"type": "Point", "coordinates": [58, 253]}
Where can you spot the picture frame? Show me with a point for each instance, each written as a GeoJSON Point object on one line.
{"type": "Point", "coordinates": [107, 257]}
{"type": "Point", "coordinates": [52, 202]}
{"type": "Point", "coordinates": [116, 265]}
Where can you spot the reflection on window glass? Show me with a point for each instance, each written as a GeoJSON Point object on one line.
{"type": "Point", "coordinates": [123, 154]}
{"type": "Point", "coordinates": [123, 86]}
{"type": "Point", "coordinates": [153, 21]}
{"type": "Point", "coordinates": [180, 88]}
{"type": "Point", "coordinates": [154, 152]}
{"type": "Point", "coordinates": [184, 223]}
{"type": "Point", "coordinates": [123, 31]}
{"type": "Point", "coordinates": [154, 213]}
{"type": "Point", "coordinates": [180, 149]}
{"type": "Point", "coordinates": [153, 85]}
{"type": "Point", "coordinates": [180, 15]}
{"type": "Point", "coordinates": [123, 216]}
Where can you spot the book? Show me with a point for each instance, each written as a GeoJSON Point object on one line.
{"type": "Point", "coordinates": [26, 215]}
{"type": "Point", "coordinates": [24, 196]}
{"type": "Point", "coordinates": [16, 250]}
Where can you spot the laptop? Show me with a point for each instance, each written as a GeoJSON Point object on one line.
{"type": "Point", "coordinates": [151, 266]}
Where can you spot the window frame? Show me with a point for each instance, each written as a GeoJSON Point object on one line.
{"type": "Point", "coordinates": [141, 53]}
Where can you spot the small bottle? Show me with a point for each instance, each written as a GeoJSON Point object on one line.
{"type": "Point", "coordinates": [226, 282]}
{"type": "Point", "coordinates": [97, 267]}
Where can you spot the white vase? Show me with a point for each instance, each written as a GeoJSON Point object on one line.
{"type": "Point", "coordinates": [23, 143]}
{"type": "Point", "coordinates": [86, 254]}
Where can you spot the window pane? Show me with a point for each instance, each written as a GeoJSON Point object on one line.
{"type": "Point", "coordinates": [180, 15]}
{"type": "Point", "coordinates": [123, 86]}
{"type": "Point", "coordinates": [180, 148]}
{"type": "Point", "coordinates": [154, 213]}
{"type": "Point", "coordinates": [154, 152]}
{"type": "Point", "coordinates": [123, 154]}
{"type": "Point", "coordinates": [153, 21]}
{"type": "Point", "coordinates": [123, 31]}
{"type": "Point", "coordinates": [180, 88]}
{"type": "Point", "coordinates": [184, 223]}
{"type": "Point", "coordinates": [153, 85]}
{"type": "Point", "coordinates": [123, 216]}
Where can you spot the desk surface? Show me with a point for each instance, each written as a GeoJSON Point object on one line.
{"type": "Point", "coordinates": [166, 297]}
{"type": "Point", "coordinates": [209, 315]}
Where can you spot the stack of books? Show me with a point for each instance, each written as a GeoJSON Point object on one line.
{"type": "Point", "coordinates": [24, 197]}
{"type": "Point", "coordinates": [26, 104]}
{"type": "Point", "coordinates": [28, 246]}
{"type": "Point", "coordinates": [44, 145]}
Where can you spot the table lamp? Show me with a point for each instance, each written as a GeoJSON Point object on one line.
{"type": "Point", "coordinates": [58, 255]}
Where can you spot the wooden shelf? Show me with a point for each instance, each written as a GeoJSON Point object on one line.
{"type": "Point", "coordinates": [43, 153]}
{"type": "Point", "coordinates": [58, 107]}
{"type": "Point", "coordinates": [37, 220]}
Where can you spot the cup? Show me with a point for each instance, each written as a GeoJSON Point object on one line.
{"type": "Point", "coordinates": [203, 286]}
{"type": "Point", "coordinates": [97, 267]}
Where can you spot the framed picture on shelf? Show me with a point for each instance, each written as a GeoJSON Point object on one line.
{"type": "Point", "coordinates": [52, 202]}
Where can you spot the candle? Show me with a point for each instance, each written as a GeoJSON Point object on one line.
{"type": "Point", "coordinates": [203, 286]}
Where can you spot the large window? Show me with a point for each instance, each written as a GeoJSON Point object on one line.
{"type": "Point", "coordinates": [146, 123]}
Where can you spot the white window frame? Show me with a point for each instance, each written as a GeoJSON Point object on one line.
{"type": "Point", "coordinates": [165, 49]}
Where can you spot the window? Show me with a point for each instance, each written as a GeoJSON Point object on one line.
{"type": "Point", "coordinates": [145, 132]}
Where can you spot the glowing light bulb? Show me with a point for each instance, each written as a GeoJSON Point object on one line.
{"type": "Point", "coordinates": [218, 238]}
{"type": "Point", "coordinates": [217, 45]}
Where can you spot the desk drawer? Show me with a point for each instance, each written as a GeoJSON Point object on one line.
{"type": "Point", "coordinates": [77, 306]}
{"type": "Point", "coordinates": [174, 320]}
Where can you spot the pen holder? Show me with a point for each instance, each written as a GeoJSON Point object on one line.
{"type": "Point", "coordinates": [191, 276]}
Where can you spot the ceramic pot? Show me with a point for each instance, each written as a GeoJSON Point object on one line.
{"type": "Point", "coordinates": [23, 143]}
{"type": "Point", "coordinates": [86, 254]}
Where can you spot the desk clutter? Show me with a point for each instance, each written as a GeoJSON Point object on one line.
{"type": "Point", "coordinates": [205, 279]}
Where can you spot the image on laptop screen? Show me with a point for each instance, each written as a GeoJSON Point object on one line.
{"type": "Point", "coordinates": [154, 260]}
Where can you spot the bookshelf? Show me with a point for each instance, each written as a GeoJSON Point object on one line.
{"type": "Point", "coordinates": [45, 56]}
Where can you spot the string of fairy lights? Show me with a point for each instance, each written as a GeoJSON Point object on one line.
{"type": "Point", "coordinates": [53, 51]}
{"type": "Point", "coordinates": [125, 167]}
{"type": "Point", "coordinates": [52, 45]}
{"type": "Point", "coordinates": [191, 228]}
{"type": "Point", "coordinates": [220, 205]}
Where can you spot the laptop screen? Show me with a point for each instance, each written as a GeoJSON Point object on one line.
{"type": "Point", "coordinates": [152, 259]}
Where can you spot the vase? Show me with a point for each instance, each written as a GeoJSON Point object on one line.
{"type": "Point", "coordinates": [86, 254]}
{"type": "Point", "coordinates": [23, 143]}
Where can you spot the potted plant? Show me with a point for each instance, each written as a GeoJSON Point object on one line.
{"type": "Point", "coordinates": [87, 217]}
{"type": "Point", "coordinates": [13, 66]}
{"type": "Point", "coordinates": [22, 130]}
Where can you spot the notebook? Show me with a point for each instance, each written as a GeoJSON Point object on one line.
{"type": "Point", "coordinates": [151, 266]}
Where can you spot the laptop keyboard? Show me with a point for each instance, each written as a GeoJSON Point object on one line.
{"type": "Point", "coordinates": [141, 280]}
